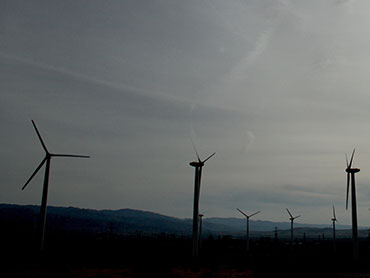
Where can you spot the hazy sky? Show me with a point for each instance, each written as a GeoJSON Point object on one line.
{"type": "Point", "coordinates": [279, 89]}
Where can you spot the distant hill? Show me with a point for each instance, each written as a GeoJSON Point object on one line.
{"type": "Point", "coordinates": [260, 225]}
{"type": "Point", "coordinates": [123, 221]}
{"type": "Point", "coordinates": [133, 222]}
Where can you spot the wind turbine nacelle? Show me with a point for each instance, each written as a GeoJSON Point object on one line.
{"type": "Point", "coordinates": [196, 164]}
{"type": "Point", "coordinates": [353, 170]}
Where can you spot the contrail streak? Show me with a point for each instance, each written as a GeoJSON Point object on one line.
{"type": "Point", "coordinates": [117, 86]}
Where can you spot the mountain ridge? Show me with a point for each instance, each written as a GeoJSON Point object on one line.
{"type": "Point", "coordinates": [130, 222]}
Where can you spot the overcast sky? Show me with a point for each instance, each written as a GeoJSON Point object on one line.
{"type": "Point", "coordinates": [279, 89]}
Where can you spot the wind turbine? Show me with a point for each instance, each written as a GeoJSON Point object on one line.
{"type": "Point", "coordinates": [334, 219]}
{"type": "Point", "coordinates": [200, 230]}
{"type": "Point", "coordinates": [291, 225]}
{"type": "Point", "coordinates": [47, 160]}
{"type": "Point", "coordinates": [351, 177]}
{"type": "Point", "coordinates": [198, 165]}
{"type": "Point", "coordinates": [248, 216]}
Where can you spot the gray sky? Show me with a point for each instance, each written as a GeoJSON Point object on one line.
{"type": "Point", "coordinates": [277, 88]}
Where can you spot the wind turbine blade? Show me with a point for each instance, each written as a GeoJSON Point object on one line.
{"type": "Point", "coordinates": [195, 149]}
{"type": "Point", "coordinates": [34, 173]}
{"type": "Point", "coordinates": [296, 216]}
{"type": "Point", "coordinates": [334, 213]}
{"type": "Point", "coordinates": [348, 177]}
{"type": "Point", "coordinates": [71, 155]}
{"type": "Point", "coordinates": [347, 161]}
{"type": "Point", "coordinates": [40, 138]}
{"type": "Point", "coordinates": [254, 213]}
{"type": "Point", "coordinates": [350, 162]}
{"type": "Point", "coordinates": [289, 213]}
{"type": "Point", "coordinates": [209, 157]}
{"type": "Point", "coordinates": [242, 213]}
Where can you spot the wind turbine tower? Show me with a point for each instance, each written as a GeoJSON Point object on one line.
{"type": "Point", "coordinates": [248, 216]}
{"type": "Point", "coordinates": [291, 226]}
{"type": "Point", "coordinates": [334, 219]}
{"type": "Point", "coordinates": [351, 178]}
{"type": "Point", "coordinates": [198, 165]}
{"type": "Point", "coordinates": [47, 160]}
{"type": "Point", "coordinates": [200, 231]}
{"type": "Point", "coordinates": [276, 237]}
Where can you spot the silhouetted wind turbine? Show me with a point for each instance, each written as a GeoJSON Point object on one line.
{"type": "Point", "coordinates": [291, 225]}
{"type": "Point", "coordinates": [248, 216]}
{"type": "Point", "coordinates": [46, 159]}
{"type": "Point", "coordinates": [351, 176]}
{"type": "Point", "coordinates": [334, 219]}
{"type": "Point", "coordinates": [198, 165]}
{"type": "Point", "coordinates": [200, 231]}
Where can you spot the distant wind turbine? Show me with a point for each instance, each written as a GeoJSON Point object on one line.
{"type": "Point", "coordinates": [248, 216]}
{"type": "Point", "coordinates": [334, 219]}
{"type": "Point", "coordinates": [46, 159]}
{"type": "Point", "coordinates": [198, 165]}
{"type": "Point", "coordinates": [351, 177]}
{"type": "Point", "coordinates": [291, 225]}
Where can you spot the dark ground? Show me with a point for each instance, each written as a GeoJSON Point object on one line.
{"type": "Point", "coordinates": [78, 254]}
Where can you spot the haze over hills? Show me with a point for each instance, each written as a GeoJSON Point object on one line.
{"type": "Point", "coordinates": [134, 222]}
{"type": "Point", "coordinates": [263, 225]}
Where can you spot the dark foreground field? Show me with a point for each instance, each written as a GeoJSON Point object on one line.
{"type": "Point", "coordinates": [81, 255]}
